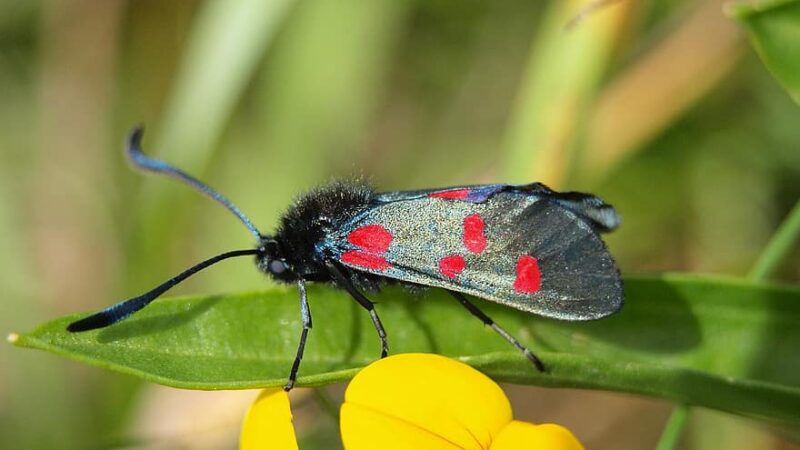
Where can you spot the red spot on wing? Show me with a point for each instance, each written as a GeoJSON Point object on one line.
{"type": "Point", "coordinates": [455, 194]}
{"type": "Point", "coordinates": [529, 279]}
{"type": "Point", "coordinates": [366, 260]}
{"type": "Point", "coordinates": [372, 238]}
{"type": "Point", "coordinates": [474, 239]}
{"type": "Point", "coordinates": [452, 265]}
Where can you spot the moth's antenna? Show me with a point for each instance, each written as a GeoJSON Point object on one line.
{"type": "Point", "coordinates": [121, 310]}
{"type": "Point", "coordinates": [145, 163]}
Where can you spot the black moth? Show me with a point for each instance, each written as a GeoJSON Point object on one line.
{"type": "Point", "coordinates": [526, 247]}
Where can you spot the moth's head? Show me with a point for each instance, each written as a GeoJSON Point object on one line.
{"type": "Point", "coordinates": [272, 261]}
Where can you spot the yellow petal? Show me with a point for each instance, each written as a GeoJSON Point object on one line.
{"type": "Point", "coordinates": [519, 435]}
{"type": "Point", "coordinates": [363, 428]}
{"type": "Point", "coordinates": [268, 423]}
{"type": "Point", "coordinates": [422, 401]}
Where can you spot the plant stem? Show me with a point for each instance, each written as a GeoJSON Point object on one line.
{"type": "Point", "coordinates": [674, 428]}
{"type": "Point", "coordinates": [778, 247]}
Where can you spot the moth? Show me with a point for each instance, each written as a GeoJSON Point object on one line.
{"type": "Point", "coordinates": [524, 246]}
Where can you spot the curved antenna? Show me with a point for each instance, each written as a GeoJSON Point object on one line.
{"type": "Point", "coordinates": [122, 310]}
{"type": "Point", "coordinates": [145, 163]}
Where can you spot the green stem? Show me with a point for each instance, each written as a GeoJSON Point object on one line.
{"type": "Point", "coordinates": [674, 428]}
{"type": "Point", "coordinates": [778, 247]}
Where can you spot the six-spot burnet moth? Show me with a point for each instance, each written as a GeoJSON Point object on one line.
{"type": "Point", "coordinates": [526, 247]}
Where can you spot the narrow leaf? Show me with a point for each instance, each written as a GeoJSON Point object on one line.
{"type": "Point", "coordinates": [720, 343]}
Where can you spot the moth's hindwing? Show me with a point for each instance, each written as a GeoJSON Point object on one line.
{"type": "Point", "coordinates": [515, 245]}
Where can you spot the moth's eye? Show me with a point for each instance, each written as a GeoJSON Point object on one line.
{"type": "Point", "coordinates": [277, 266]}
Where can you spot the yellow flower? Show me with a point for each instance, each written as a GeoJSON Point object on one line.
{"type": "Point", "coordinates": [268, 423]}
{"type": "Point", "coordinates": [413, 401]}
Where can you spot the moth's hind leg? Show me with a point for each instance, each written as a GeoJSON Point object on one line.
{"type": "Point", "coordinates": [497, 328]}
{"type": "Point", "coordinates": [305, 315]}
{"type": "Point", "coordinates": [362, 300]}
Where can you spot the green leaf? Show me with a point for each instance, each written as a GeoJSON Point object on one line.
{"type": "Point", "coordinates": [721, 343]}
{"type": "Point", "coordinates": [774, 28]}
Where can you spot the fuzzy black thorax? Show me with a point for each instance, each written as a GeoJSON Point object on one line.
{"type": "Point", "coordinates": [309, 219]}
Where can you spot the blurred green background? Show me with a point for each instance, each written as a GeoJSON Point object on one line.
{"type": "Point", "coordinates": [663, 108]}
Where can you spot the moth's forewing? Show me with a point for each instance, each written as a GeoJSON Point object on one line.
{"type": "Point", "coordinates": [512, 246]}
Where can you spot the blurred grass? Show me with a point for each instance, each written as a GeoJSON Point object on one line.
{"type": "Point", "coordinates": [698, 148]}
{"type": "Point", "coordinates": [569, 56]}
{"type": "Point", "coordinates": [224, 48]}
{"type": "Point", "coordinates": [677, 67]}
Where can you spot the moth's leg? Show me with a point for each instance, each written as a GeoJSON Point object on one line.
{"type": "Point", "coordinates": [305, 315]}
{"type": "Point", "coordinates": [497, 328]}
{"type": "Point", "coordinates": [342, 280]}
